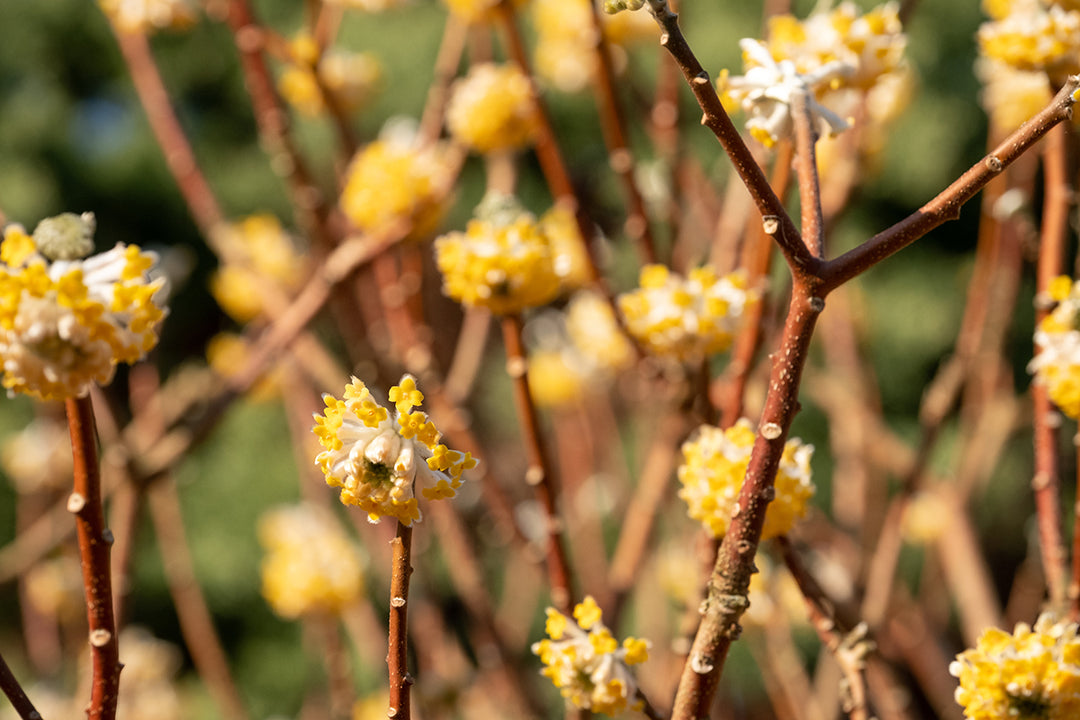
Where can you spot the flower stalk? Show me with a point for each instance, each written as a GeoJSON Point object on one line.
{"type": "Point", "coordinates": [398, 650]}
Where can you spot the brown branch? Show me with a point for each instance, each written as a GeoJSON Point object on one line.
{"type": "Point", "coordinates": [806, 136]}
{"type": "Point", "coordinates": [539, 473]}
{"type": "Point", "coordinates": [717, 120]}
{"type": "Point", "coordinates": [95, 540]}
{"type": "Point", "coordinates": [11, 687]}
{"type": "Point", "coordinates": [397, 653]}
{"type": "Point", "coordinates": [946, 206]}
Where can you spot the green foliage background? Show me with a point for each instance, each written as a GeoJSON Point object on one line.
{"type": "Point", "coordinates": [73, 138]}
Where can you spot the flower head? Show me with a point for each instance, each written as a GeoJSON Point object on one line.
{"type": "Point", "coordinates": [393, 180]}
{"type": "Point", "coordinates": [714, 467]}
{"type": "Point", "coordinates": [503, 261]}
{"type": "Point", "coordinates": [65, 324]}
{"type": "Point", "coordinates": [492, 108]}
{"type": "Point", "coordinates": [475, 11]}
{"type": "Point", "coordinates": [351, 78]}
{"type": "Point", "coordinates": [147, 16]}
{"type": "Point", "coordinates": [311, 565]}
{"type": "Point", "coordinates": [1057, 339]}
{"type": "Point", "coordinates": [583, 659]}
{"type": "Point", "coordinates": [1032, 673]}
{"type": "Point", "coordinates": [256, 252]}
{"type": "Point", "coordinates": [377, 459]}
{"type": "Point", "coordinates": [686, 318]}
{"type": "Point", "coordinates": [1033, 35]}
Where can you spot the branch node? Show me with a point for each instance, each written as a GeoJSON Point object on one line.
{"type": "Point", "coordinates": [993, 163]}
{"type": "Point", "coordinates": [700, 664]}
{"type": "Point", "coordinates": [76, 502]}
{"type": "Point", "coordinates": [771, 431]}
{"type": "Point", "coordinates": [817, 304]}
{"type": "Point", "coordinates": [397, 602]}
{"type": "Point", "coordinates": [665, 39]}
{"type": "Point", "coordinates": [770, 224]}
{"type": "Point", "coordinates": [100, 637]}
{"type": "Point", "coordinates": [534, 475]}
{"type": "Point", "coordinates": [702, 78]}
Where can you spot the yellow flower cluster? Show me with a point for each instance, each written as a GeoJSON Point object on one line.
{"type": "Point", "coordinates": [714, 467]}
{"type": "Point", "coordinates": [38, 457]}
{"type": "Point", "coordinates": [475, 11]}
{"type": "Point", "coordinates": [393, 181]}
{"type": "Point", "coordinates": [1035, 35]}
{"type": "Point", "coordinates": [255, 251]}
{"type": "Point", "coordinates": [492, 109]}
{"type": "Point", "coordinates": [1034, 673]}
{"type": "Point", "coordinates": [148, 16]}
{"type": "Point", "coordinates": [351, 78]}
{"type": "Point", "coordinates": [65, 324]}
{"type": "Point", "coordinates": [586, 663]}
{"type": "Point", "coordinates": [377, 460]}
{"type": "Point", "coordinates": [686, 318]}
{"type": "Point", "coordinates": [570, 255]}
{"type": "Point", "coordinates": [1057, 339]}
{"type": "Point", "coordinates": [565, 48]}
{"type": "Point", "coordinates": [503, 263]}
{"type": "Point", "coordinates": [1011, 96]}
{"type": "Point", "coordinates": [311, 565]}
{"type": "Point", "coordinates": [595, 332]}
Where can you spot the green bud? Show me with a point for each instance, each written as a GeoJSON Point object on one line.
{"type": "Point", "coordinates": [66, 236]}
{"type": "Point", "coordinates": [614, 6]}
{"type": "Point", "coordinates": [499, 209]}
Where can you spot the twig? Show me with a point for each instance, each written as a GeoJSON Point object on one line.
{"type": "Point", "coordinates": [95, 540]}
{"type": "Point", "coordinates": [806, 136]}
{"type": "Point", "coordinates": [397, 652]}
{"type": "Point", "coordinates": [11, 687]}
{"type": "Point", "coordinates": [539, 473]}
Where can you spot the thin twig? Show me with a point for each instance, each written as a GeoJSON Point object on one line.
{"type": "Point", "coordinates": [11, 687]}
{"type": "Point", "coordinates": [806, 136]}
{"type": "Point", "coordinates": [397, 653]}
{"type": "Point", "coordinates": [95, 541]}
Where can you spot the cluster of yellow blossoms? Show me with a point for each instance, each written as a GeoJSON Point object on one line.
{"type": "Point", "coordinates": [351, 78]}
{"type": "Point", "coordinates": [503, 261]}
{"type": "Point", "coordinates": [686, 318]}
{"type": "Point", "coordinates": [255, 251]}
{"type": "Point", "coordinates": [1057, 364]}
{"type": "Point", "coordinates": [377, 460]}
{"type": "Point", "coordinates": [714, 468]}
{"type": "Point", "coordinates": [1034, 673]}
{"type": "Point", "coordinates": [1033, 35]}
{"type": "Point", "coordinates": [311, 566]}
{"type": "Point", "coordinates": [395, 181]}
{"type": "Point", "coordinates": [831, 57]}
{"type": "Point", "coordinates": [492, 109]}
{"type": "Point", "coordinates": [147, 16]}
{"type": "Point", "coordinates": [475, 11]}
{"type": "Point", "coordinates": [566, 41]}
{"type": "Point", "coordinates": [587, 664]}
{"type": "Point", "coordinates": [66, 323]}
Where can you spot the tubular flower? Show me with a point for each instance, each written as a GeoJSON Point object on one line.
{"type": "Point", "coordinates": [1033, 35]}
{"type": "Point", "coordinates": [685, 318]}
{"type": "Point", "coordinates": [311, 565]}
{"type": "Point", "coordinates": [148, 16]}
{"type": "Point", "coordinates": [503, 263]}
{"type": "Point", "coordinates": [393, 181]}
{"type": "Point", "coordinates": [492, 109]}
{"type": "Point", "coordinates": [256, 251]}
{"type": "Point", "coordinates": [65, 324]}
{"type": "Point", "coordinates": [1032, 673]}
{"type": "Point", "coordinates": [714, 467]}
{"type": "Point", "coordinates": [1056, 364]}
{"type": "Point", "coordinates": [587, 664]}
{"type": "Point", "coordinates": [377, 460]}
{"type": "Point", "coordinates": [768, 89]}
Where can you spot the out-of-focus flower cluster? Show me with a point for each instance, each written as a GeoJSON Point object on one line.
{"type": "Point", "coordinates": [311, 566]}
{"type": "Point", "coordinates": [371, 6]}
{"type": "Point", "coordinates": [504, 261]}
{"type": "Point", "coordinates": [66, 323]}
{"type": "Point", "coordinates": [256, 252]}
{"type": "Point", "coordinates": [1032, 673]}
{"type": "Point", "coordinates": [148, 16]}
{"type": "Point", "coordinates": [377, 460]}
{"type": "Point", "coordinates": [351, 78]}
{"type": "Point", "coordinates": [686, 318]}
{"type": "Point", "coordinates": [492, 109]}
{"type": "Point", "coordinates": [576, 349]}
{"type": "Point", "coordinates": [475, 11]}
{"type": "Point", "coordinates": [38, 457]}
{"type": "Point", "coordinates": [566, 41]}
{"type": "Point", "coordinates": [835, 57]}
{"type": "Point", "coordinates": [714, 468]}
{"type": "Point", "coordinates": [585, 661]}
{"type": "Point", "coordinates": [1057, 339]}
{"type": "Point", "coordinates": [393, 181]}
{"type": "Point", "coordinates": [1033, 35]}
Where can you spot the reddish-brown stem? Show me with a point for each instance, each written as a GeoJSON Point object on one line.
{"type": "Point", "coordinates": [11, 687]}
{"type": "Point", "coordinates": [813, 222]}
{"type": "Point", "coordinates": [200, 199]}
{"type": "Point", "coordinates": [446, 64]}
{"type": "Point", "coordinates": [95, 541]}
{"type": "Point", "coordinates": [620, 157]}
{"type": "Point", "coordinates": [397, 652]}
{"type": "Point", "coordinates": [946, 206]}
{"type": "Point", "coordinates": [726, 595]}
{"type": "Point", "coordinates": [539, 473]}
{"type": "Point", "coordinates": [1047, 482]}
